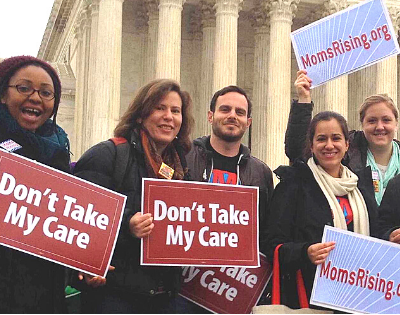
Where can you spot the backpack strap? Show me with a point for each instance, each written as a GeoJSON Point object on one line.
{"type": "Point", "coordinates": [122, 160]}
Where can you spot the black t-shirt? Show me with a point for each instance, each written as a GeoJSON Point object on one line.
{"type": "Point", "coordinates": [224, 168]}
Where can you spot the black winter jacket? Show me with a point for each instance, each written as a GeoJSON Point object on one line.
{"type": "Point", "coordinates": [252, 172]}
{"type": "Point", "coordinates": [389, 210]}
{"type": "Point", "coordinates": [29, 284]}
{"type": "Point", "coordinates": [299, 212]}
{"type": "Point", "coordinates": [295, 140]}
{"type": "Point", "coordinates": [97, 165]}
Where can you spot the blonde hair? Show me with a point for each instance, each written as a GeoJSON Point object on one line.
{"type": "Point", "coordinates": [375, 99]}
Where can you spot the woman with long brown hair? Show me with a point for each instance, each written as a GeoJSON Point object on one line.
{"type": "Point", "coordinates": [154, 135]}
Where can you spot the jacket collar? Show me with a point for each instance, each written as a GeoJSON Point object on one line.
{"type": "Point", "coordinates": [202, 144]}
{"type": "Point", "coordinates": [299, 168]}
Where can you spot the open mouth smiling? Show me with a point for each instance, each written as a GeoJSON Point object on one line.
{"type": "Point", "coordinates": [31, 111]}
{"type": "Point", "coordinates": [166, 127]}
{"type": "Point", "coordinates": [329, 154]}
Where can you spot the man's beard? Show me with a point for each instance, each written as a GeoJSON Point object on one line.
{"type": "Point", "coordinates": [227, 136]}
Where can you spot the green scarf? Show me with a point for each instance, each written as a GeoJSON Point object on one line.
{"type": "Point", "coordinates": [393, 169]}
{"type": "Point", "coordinates": [49, 139]}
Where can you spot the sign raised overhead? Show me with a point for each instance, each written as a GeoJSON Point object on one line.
{"type": "Point", "coordinates": [346, 41]}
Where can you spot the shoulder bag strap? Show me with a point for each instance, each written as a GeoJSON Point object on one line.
{"type": "Point", "coordinates": [122, 156]}
{"type": "Point", "coordinates": [276, 285]}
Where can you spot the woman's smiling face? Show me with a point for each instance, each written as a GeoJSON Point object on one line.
{"type": "Point", "coordinates": [165, 121]}
{"type": "Point", "coordinates": [329, 146]}
{"type": "Point", "coordinates": [29, 111]}
{"type": "Point", "coordinates": [379, 126]}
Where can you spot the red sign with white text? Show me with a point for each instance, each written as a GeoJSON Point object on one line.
{"type": "Point", "coordinates": [226, 290]}
{"type": "Point", "coordinates": [200, 224]}
{"type": "Point", "coordinates": [58, 217]}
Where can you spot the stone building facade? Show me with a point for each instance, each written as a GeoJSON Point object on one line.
{"type": "Point", "coordinates": [106, 49]}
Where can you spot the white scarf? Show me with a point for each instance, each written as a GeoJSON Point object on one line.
{"type": "Point", "coordinates": [345, 185]}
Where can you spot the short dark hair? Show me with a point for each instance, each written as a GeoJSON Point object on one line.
{"type": "Point", "coordinates": [324, 116]}
{"type": "Point", "coordinates": [227, 89]}
{"type": "Point", "coordinates": [146, 99]}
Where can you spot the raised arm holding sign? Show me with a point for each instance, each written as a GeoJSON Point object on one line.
{"type": "Point", "coordinates": [345, 41]}
{"type": "Point", "coordinates": [311, 193]}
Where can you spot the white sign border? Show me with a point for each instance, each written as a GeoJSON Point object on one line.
{"type": "Point", "coordinates": [204, 265]}
{"type": "Point", "coordinates": [327, 228]}
{"type": "Point", "coordinates": [87, 182]}
{"type": "Point", "coordinates": [390, 25]}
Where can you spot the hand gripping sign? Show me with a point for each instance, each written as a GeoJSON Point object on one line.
{"type": "Point", "coordinates": [200, 224]}
{"type": "Point", "coordinates": [345, 42]}
{"type": "Point", "coordinates": [361, 275]}
{"type": "Point", "coordinates": [58, 217]}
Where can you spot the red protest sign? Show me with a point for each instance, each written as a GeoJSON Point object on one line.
{"type": "Point", "coordinates": [56, 216]}
{"type": "Point", "coordinates": [200, 224]}
{"type": "Point", "coordinates": [226, 290]}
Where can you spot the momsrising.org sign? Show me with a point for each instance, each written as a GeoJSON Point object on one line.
{"type": "Point", "coordinates": [361, 274]}
{"type": "Point", "coordinates": [345, 42]}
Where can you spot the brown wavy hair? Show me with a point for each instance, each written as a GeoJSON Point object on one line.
{"type": "Point", "coordinates": [143, 104]}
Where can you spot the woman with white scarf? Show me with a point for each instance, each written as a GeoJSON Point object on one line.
{"type": "Point", "coordinates": [373, 147]}
{"type": "Point", "coordinates": [314, 192]}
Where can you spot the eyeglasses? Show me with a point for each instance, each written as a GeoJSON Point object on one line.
{"type": "Point", "coordinates": [27, 90]}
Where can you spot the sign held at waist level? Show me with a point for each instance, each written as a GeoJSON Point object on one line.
{"type": "Point", "coordinates": [200, 224]}
{"type": "Point", "coordinates": [56, 216]}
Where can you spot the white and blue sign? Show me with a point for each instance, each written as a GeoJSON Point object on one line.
{"type": "Point", "coordinates": [345, 42]}
{"type": "Point", "coordinates": [361, 274]}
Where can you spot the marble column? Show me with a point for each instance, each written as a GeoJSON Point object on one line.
{"type": "Point", "coordinates": [169, 39]}
{"type": "Point", "coordinates": [207, 66]}
{"type": "Point", "coordinates": [193, 81]}
{"type": "Point", "coordinates": [336, 96]}
{"type": "Point", "coordinates": [335, 92]}
{"type": "Point", "coordinates": [378, 78]}
{"type": "Point", "coordinates": [83, 36]}
{"type": "Point", "coordinates": [141, 29]}
{"type": "Point", "coordinates": [278, 87]}
{"type": "Point", "coordinates": [91, 106]}
{"type": "Point", "coordinates": [386, 70]}
{"type": "Point", "coordinates": [361, 84]}
{"type": "Point", "coordinates": [225, 53]}
{"type": "Point", "coordinates": [152, 40]}
{"type": "Point", "coordinates": [78, 110]}
{"type": "Point", "coordinates": [259, 111]}
{"type": "Point", "coordinates": [108, 69]}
